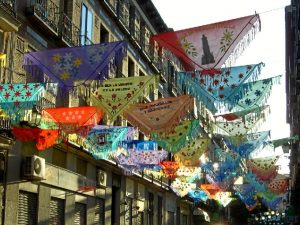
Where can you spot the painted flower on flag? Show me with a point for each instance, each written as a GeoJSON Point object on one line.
{"type": "Point", "coordinates": [226, 40]}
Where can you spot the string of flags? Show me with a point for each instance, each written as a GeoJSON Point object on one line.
{"type": "Point", "coordinates": [203, 161]}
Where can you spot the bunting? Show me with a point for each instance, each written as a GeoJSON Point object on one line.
{"type": "Point", "coordinates": [44, 138]}
{"type": "Point", "coordinates": [101, 141]}
{"type": "Point", "coordinates": [198, 195]}
{"type": "Point", "coordinates": [210, 189]}
{"type": "Point", "coordinates": [161, 115]}
{"type": "Point", "coordinates": [223, 198]}
{"type": "Point", "coordinates": [271, 200]}
{"type": "Point", "coordinates": [185, 131]}
{"type": "Point", "coordinates": [279, 184]}
{"type": "Point", "coordinates": [15, 99]}
{"type": "Point", "coordinates": [210, 46]}
{"type": "Point", "coordinates": [81, 63]}
{"type": "Point", "coordinates": [182, 188]}
{"type": "Point", "coordinates": [169, 168]}
{"type": "Point", "coordinates": [148, 158]}
{"type": "Point", "coordinates": [252, 94]}
{"type": "Point", "coordinates": [265, 168]}
{"type": "Point", "coordinates": [245, 144]}
{"type": "Point", "coordinates": [74, 120]}
{"type": "Point", "coordinates": [190, 154]}
{"type": "Point", "coordinates": [213, 91]}
{"type": "Point", "coordinates": [116, 94]}
{"type": "Point", "coordinates": [242, 124]}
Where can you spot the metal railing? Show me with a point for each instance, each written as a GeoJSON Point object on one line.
{"type": "Point", "coordinates": [69, 31]}
{"type": "Point", "coordinates": [9, 5]}
{"type": "Point", "coordinates": [47, 11]}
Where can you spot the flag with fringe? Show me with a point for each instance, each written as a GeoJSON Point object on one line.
{"type": "Point", "coordinates": [174, 141]}
{"type": "Point", "coordinates": [244, 145]}
{"type": "Point", "coordinates": [182, 188]}
{"type": "Point", "coordinates": [44, 138]}
{"type": "Point", "coordinates": [251, 94]}
{"type": "Point", "coordinates": [264, 168]}
{"type": "Point", "coordinates": [190, 154]}
{"type": "Point", "coordinates": [74, 120]}
{"type": "Point", "coordinates": [198, 195]}
{"type": "Point", "coordinates": [115, 95]}
{"type": "Point", "coordinates": [161, 116]}
{"type": "Point", "coordinates": [213, 91]}
{"type": "Point", "coordinates": [210, 46]}
{"type": "Point", "coordinates": [17, 99]}
{"type": "Point", "coordinates": [242, 124]}
{"type": "Point", "coordinates": [279, 184]}
{"type": "Point", "coordinates": [102, 140]}
{"type": "Point", "coordinates": [75, 66]}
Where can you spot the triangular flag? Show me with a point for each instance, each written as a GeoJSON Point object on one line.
{"type": "Point", "coordinates": [116, 94]}
{"type": "Point", "coordinates": [161, 115]}
{"type": "Point", "coordinates": [213, 91]}
{"type": "Point", "coordinates": [209, 46]}
{"type": "Point", "coordinates": [80, 63]}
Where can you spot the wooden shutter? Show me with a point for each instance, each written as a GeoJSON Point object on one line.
{"type": "Point", "coordinates": [57, 208]}
{"type": "Point", "coordinates": [27, 208]}
{"type": "Point", "coordinates": [99, 212]}
{"type": "Point", "coordinates": [80, 214]}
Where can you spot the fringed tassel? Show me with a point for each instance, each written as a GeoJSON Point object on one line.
{"type": "Point", "coordinates": [243, 44]}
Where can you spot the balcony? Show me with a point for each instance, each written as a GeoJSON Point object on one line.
{"type": "Point", "coordinates": [112, 6]}
{"type": "Point", "coordinates": [84, 40]}
{"type": "Point", "coordinates": [123, 16]}
{"type": "Point", "coordinates": [69, 32]}
{"type": "Point", "coordinates": [46, 13]}
{"type": "Point", "coordinates": [8, 20]}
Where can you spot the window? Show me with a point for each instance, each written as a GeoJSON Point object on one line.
{"type": "Point", "coordinates": [184, 220]}
{"type": "Point", "coordinates": [150, 208]}
{"type": "Point", "coordinates": [159, 210]}
{"type": "Point", "coordinates": [170, 218]}
{"type": "Point", "coordinates": [141, 73]}
{"type": "Point", "coordinates": [81, 167]}
{"type": "Point", "coordinates": [27, 208]}
{"type": "Point", "coordinates": [130, 67]}
{"type": "Point", "coordinates": [59, 158]}
{"type": "Point", "coordinates": [57, 211]}
{"type": "Point", "coordinates": [99, 212]}
{"type": "Point", "coordinates": [80, 214]}
{"type": "Point", "coordinates": [104, 34]}
{"type": "Point", "coordinates": [86, 28]}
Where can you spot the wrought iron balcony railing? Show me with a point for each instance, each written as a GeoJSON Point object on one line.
{"type": "Point", "coordinates": [69, 31]}
{"type": "Point", "coordinates": [9, 6]}
{"type": "Point", "coordinates": [47, 11]}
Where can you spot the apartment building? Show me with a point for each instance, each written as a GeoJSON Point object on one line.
{"type": "Point", "coordinates": [65, 184]}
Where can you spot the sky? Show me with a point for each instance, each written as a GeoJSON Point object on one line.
{"type": "Point", "coordinates": [267, 47]}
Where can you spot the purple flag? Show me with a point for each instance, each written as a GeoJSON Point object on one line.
{"type": "Point", "coordinates": [82, 63]}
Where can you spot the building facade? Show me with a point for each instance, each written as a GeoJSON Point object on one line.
{"type": "Point", "coordinates": [293, 96]}
{"type": "Point", "coordinates": [65, 184]}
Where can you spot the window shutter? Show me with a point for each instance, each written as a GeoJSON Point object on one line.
{"type": "Point", "coordinates": [80, 214]}
{"type": "Point", "coordinates": [99, 212]}
{"type": "Point", "coordinates": [57, 207]}
{"type": "Point", "coordinates": [27, 208]}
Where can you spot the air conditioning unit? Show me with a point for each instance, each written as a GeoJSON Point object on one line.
{"type": "Point", "coordinates": [34, 167]}
{"type": "Point", "coordinates": [101, 178]}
